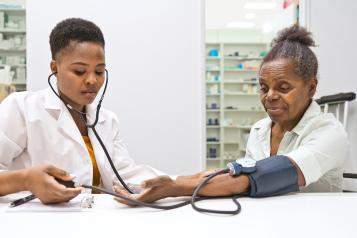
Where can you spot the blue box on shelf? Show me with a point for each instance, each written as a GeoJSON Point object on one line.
{"type": "Point", "coordinates": [213, 53]}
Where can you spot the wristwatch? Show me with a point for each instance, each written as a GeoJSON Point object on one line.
{"type": "Point", "coordinates": [242, 166]}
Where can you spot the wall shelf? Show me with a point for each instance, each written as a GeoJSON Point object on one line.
{"type": "Point", "coordinates": [13, 46]}
{"type": "Point", "coordinates": [238, 83]}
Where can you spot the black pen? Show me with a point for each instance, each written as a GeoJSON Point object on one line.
{"type": "Point", "coordinates": [20, 201]}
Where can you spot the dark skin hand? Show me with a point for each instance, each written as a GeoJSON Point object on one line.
{"type": "Point", "coordinates": [40, 180]}
{"type": "Point", "coordinates": [161, 187]}
{"type": "Point", "coordinates": [285, 96]}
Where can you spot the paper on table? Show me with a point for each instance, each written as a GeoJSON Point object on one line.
{"type": "Point", "coordinates": [36, 206]}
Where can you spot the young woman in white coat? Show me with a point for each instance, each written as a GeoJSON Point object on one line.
{"type": "Point", "coordinates": [43, 136]}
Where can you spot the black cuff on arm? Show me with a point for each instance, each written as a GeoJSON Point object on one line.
{"type": "Point", "coordinates": [275, 175]}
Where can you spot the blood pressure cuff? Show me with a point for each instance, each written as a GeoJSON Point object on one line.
{"type": "Point", "coordinates": [275, 175]}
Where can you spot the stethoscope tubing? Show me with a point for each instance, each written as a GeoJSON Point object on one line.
{"type": "Point", "coordinates": [194, 197]}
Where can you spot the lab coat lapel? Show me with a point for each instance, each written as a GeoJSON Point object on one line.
{"type": "Point", "coordinates": [59, 111]}
{"type": "Point", "coordinates": [91, 113]}
{"type": "Point", "coordinates": [68, 126]}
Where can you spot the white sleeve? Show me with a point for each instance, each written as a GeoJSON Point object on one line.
{"type": "Point", "coordinates": [13, 135]}
{"type": "Point", "coordinates": [125, 165]}
{"type": "Point", "coordinates": [322, 150]}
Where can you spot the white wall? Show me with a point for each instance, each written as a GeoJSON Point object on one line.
{"type": "Point", "coordinates": [154, 53]}
{"type": "Point", "coordinates": [333, 24]}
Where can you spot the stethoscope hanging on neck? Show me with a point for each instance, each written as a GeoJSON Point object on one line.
{"type": "Point", "coordinates": [92, 126]}
{"type": "Point", "coordinates": [83, 114]}
{"type": "Point", "coordinates": [131, 200]}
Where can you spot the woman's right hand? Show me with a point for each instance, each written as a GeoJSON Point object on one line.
{"type": "Point", "coordinates": [40, 180]}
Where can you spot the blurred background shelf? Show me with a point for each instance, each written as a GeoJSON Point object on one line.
{"type": "Point", "coordinates": [13, 46]}
{"type": "Point", "coordinates": [232, 77]}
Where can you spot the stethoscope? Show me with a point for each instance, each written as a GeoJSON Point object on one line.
{"type": "Point", "coordinates": [194, 197]}
{"type": "Point", "coordinates": [92, 126]}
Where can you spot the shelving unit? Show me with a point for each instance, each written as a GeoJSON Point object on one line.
{"type": "Point", "coordinates": [232, 98]}
{"type": "Point", "coordinates": [13, 46]}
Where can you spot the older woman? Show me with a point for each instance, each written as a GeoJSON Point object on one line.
{"type": "Point", "coordinates": [296, 133]}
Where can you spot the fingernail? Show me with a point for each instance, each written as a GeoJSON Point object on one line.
{"type": "Point", "coordinates": [73, 176]}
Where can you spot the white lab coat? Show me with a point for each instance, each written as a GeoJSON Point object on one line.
{"type": "Point", "coordinates": [36, 128]}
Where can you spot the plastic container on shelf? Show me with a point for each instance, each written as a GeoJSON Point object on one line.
{"type": "Point", "coordinates": [213, 52]}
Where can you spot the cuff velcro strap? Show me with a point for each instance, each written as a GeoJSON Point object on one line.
{"type": "Point", "coordinates": [275, 175]}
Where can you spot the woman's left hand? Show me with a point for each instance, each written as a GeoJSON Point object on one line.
{"type": "Point", "coordinates": [153, 190]}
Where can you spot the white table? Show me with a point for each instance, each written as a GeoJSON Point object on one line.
{"type": "Point", "coordinates": [296, 215]}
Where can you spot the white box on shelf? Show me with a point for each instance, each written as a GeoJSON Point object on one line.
{"type": "Point", "coordinates": [5, 76]}
{"type": "Point", "coordinates": [20, 74]}
{"type": "Point", "coordinates": [2, 19]}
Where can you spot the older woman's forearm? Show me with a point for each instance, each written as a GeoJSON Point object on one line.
{"type": "Point", "coordinates": [221, 185]}
{"type": "Point", "coordinates": [226, 185]}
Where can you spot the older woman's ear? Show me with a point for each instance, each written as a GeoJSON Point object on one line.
{"type": "Point", "coordinates": [312, 87]}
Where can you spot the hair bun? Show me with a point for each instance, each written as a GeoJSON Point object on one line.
{"type": "Point", "coordinates": [295, 33]}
